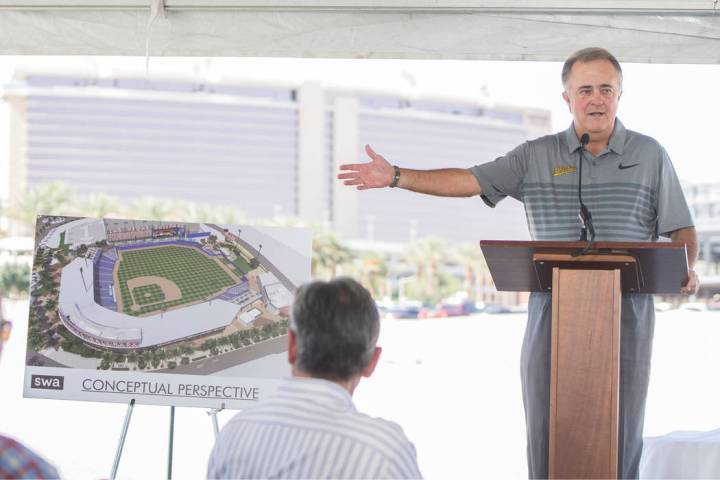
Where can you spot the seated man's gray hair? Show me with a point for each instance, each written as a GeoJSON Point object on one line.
{"type": "Point", "coordinates": [337, 325]}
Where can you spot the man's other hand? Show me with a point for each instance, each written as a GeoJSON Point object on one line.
{"type": "Point", "coordinates": [692, 285]}
{"type": "Point", "coordinates": [377, 173]}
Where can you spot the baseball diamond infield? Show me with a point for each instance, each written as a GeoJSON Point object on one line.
{"type": "Point", "coordinates": [148, 294]}
{"type": "Point", "coordinates": [161, 277]}
{"type": "Point", "coordinates": [151, 289]}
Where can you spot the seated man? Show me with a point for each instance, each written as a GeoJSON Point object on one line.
{"type": "Point", "coordinates": [310, 428]}
{"type": "Point", "coordinates": [16, 460]}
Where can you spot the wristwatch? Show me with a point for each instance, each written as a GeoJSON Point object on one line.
{"type": "Point", "coordinates": [396, 178]}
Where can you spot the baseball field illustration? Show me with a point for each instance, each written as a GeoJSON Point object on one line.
{"type": "Point", "coordinates": [166, 297]}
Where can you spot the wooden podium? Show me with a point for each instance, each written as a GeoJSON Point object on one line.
{"type": "Point", "coordinates": [585, 364]}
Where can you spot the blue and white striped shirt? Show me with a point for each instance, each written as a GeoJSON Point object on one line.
{"type": "Point", "coordinates": [311, 429]}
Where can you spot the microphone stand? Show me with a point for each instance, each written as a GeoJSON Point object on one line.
{"type": "Point", "coordinates": [584, 214]}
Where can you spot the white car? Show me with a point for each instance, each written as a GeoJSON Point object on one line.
{"type": "Point", "coordinates": [694, 307]}
{"type": "Point", "coordinates": [663, 306]}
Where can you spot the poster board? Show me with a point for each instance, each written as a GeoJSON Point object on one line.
{"type": "Point", "coordinates": [167, 313]}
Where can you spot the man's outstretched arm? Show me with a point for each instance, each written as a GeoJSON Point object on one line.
{"type": "Point", "coordinates": [379, 173]}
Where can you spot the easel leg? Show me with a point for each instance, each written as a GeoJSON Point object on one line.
{"type": "Point", "coordinates": [123, 434]}
{"type": "Point", "coordinates": [213, 416]}
{"type": "Point", "coordinates": [216, 429]}
{"type": "Point", "coordinates": [170, 443]}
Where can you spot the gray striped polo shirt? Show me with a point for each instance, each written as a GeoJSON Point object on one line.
{"type": "Point", "coordinates": [630, 188]}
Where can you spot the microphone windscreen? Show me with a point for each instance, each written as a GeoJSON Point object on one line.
{"type": "Point", "coordinates": [584, 139]}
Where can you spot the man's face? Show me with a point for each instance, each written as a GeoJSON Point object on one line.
{"type": "Point", "coordinates": [592, 94]}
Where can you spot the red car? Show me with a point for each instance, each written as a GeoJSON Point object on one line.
{"type": "Point", "coordinates": [449, 310]}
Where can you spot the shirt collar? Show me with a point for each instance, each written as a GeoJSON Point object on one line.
{"type": "Point", "coordinates": [319, 391]}
{"type": "Point", "coordinates": [617, 139]}
{"type": "Point", "coordinates": [616, 143]}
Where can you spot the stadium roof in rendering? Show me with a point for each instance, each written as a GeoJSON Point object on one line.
{"type": "Point", "coordinates": [103, 327]}
{"type": "Point", "coordinates": [75, 233]}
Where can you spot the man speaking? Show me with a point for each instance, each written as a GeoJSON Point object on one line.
{"type": "Point", "coordinates": [631, 189]}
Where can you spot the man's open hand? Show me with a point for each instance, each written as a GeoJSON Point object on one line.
{"type": "Point", "coordinates": [377, 173]}
{"type": "Point", "coordinates": [692, 285]}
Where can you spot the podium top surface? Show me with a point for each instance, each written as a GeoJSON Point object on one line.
{"type": "Point", "coordinates": [663, 265]}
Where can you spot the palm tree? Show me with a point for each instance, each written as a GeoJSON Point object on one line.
{"type": "Point", "coordinates": [14, 278]}
{"type": "Point", "coordinates": [106, 360]}
{"type": "Point", "coordinates": [99, 205]}
{"type": "Point", "coordinates": [187, 349]}
{"type": "Point", "coordinates": [132, 357]}
{"type": "Point", "coordinates": [43, 199]}
{"type": "Point", "coordinates": [226, 215]}
{"type": "Point", "coordinates": [427, 254]}
{"type": "Point", "coordinates": [154, 358]}
{"type": "Point", "coordinates": [142, 360]}
{"type": "Point", "coordinates": [471, 258]}
{"type": "Point", "coordinates": [328, 253]}
{"type": "Point", "coordinates": [36, 339]}
{"type": "Point", "coordinates": [371, 269]}
{"type": "Point", "coordinates": [151, 208]}
{"type": "Point", "coordinates": [162, 354]}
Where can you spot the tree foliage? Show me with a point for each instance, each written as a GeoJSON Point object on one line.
{"type": "Point", "coordinates": [14, 280]}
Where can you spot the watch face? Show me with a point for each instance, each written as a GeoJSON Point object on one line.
{"type": "Point", "coordinates": [396, 179]}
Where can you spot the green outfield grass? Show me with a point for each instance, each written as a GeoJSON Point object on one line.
{"type": "Point", "coordinates": [148, 294]}
{"type": "Point", "coordinates": [197, 275]}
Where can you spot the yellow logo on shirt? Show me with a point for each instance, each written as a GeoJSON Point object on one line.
{"type": "Point", "coordinates": [563, 170]}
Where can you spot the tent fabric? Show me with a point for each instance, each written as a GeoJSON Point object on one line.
{"type": "Point", "coordinates": [665, 33]}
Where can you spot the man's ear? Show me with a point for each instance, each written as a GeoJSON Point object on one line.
{"type": "Point", "coordinates": [567, 100]}
{"type": "Point", "coordinates": [370, 368]}
{"type": "Point", "coordinates": [292, 347]}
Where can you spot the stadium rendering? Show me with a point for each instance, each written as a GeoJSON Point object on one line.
{"type": "Point", "coordinates": [135, 285]}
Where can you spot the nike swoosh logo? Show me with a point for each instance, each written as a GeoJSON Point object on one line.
{"type": "Point", "coordinates": [623, 167]}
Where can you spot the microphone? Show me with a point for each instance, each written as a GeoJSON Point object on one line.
{"type": "Point", "coordinates": [584, 214]}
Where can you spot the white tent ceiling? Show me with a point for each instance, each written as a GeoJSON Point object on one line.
{"type": "Point", "coordinates": [685, 31]}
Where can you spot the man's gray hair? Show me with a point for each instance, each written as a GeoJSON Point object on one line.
{"type": "Point", "coordinates": [336, 324]}
{"type": "Point", "coordinates": [589, 55]}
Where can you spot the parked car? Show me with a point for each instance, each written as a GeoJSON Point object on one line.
{"type": "Point", "coordinates": [407, 309]}
{"type": "Point", "coordinates": [428, 312]}
{"type": "Point", "coordinates": [449, 310]}
{"type": "Point", "coordinates": [402, 311]}
{"type": "Point", "coordinates": [694, 307]}
{"type": "Point", "coordinates": [714, 303]}
{"type": "Point", "coordinates": [495, 308]}
{"type": "Point", "coordinates": [457, 309]}
{"type": "Point", "coordinates": [382, 310]}
{"type": "Point", "coordinates": [663, 306]}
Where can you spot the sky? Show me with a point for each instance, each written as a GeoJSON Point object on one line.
{"type": "Point", "coordinates": [676, 104]}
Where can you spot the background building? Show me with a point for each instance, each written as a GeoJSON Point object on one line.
{"type": "Point", "coordinates": [265, 150]}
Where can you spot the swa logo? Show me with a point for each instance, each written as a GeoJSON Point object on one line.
{"type": "Point", "coordinates": [47, 382]}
